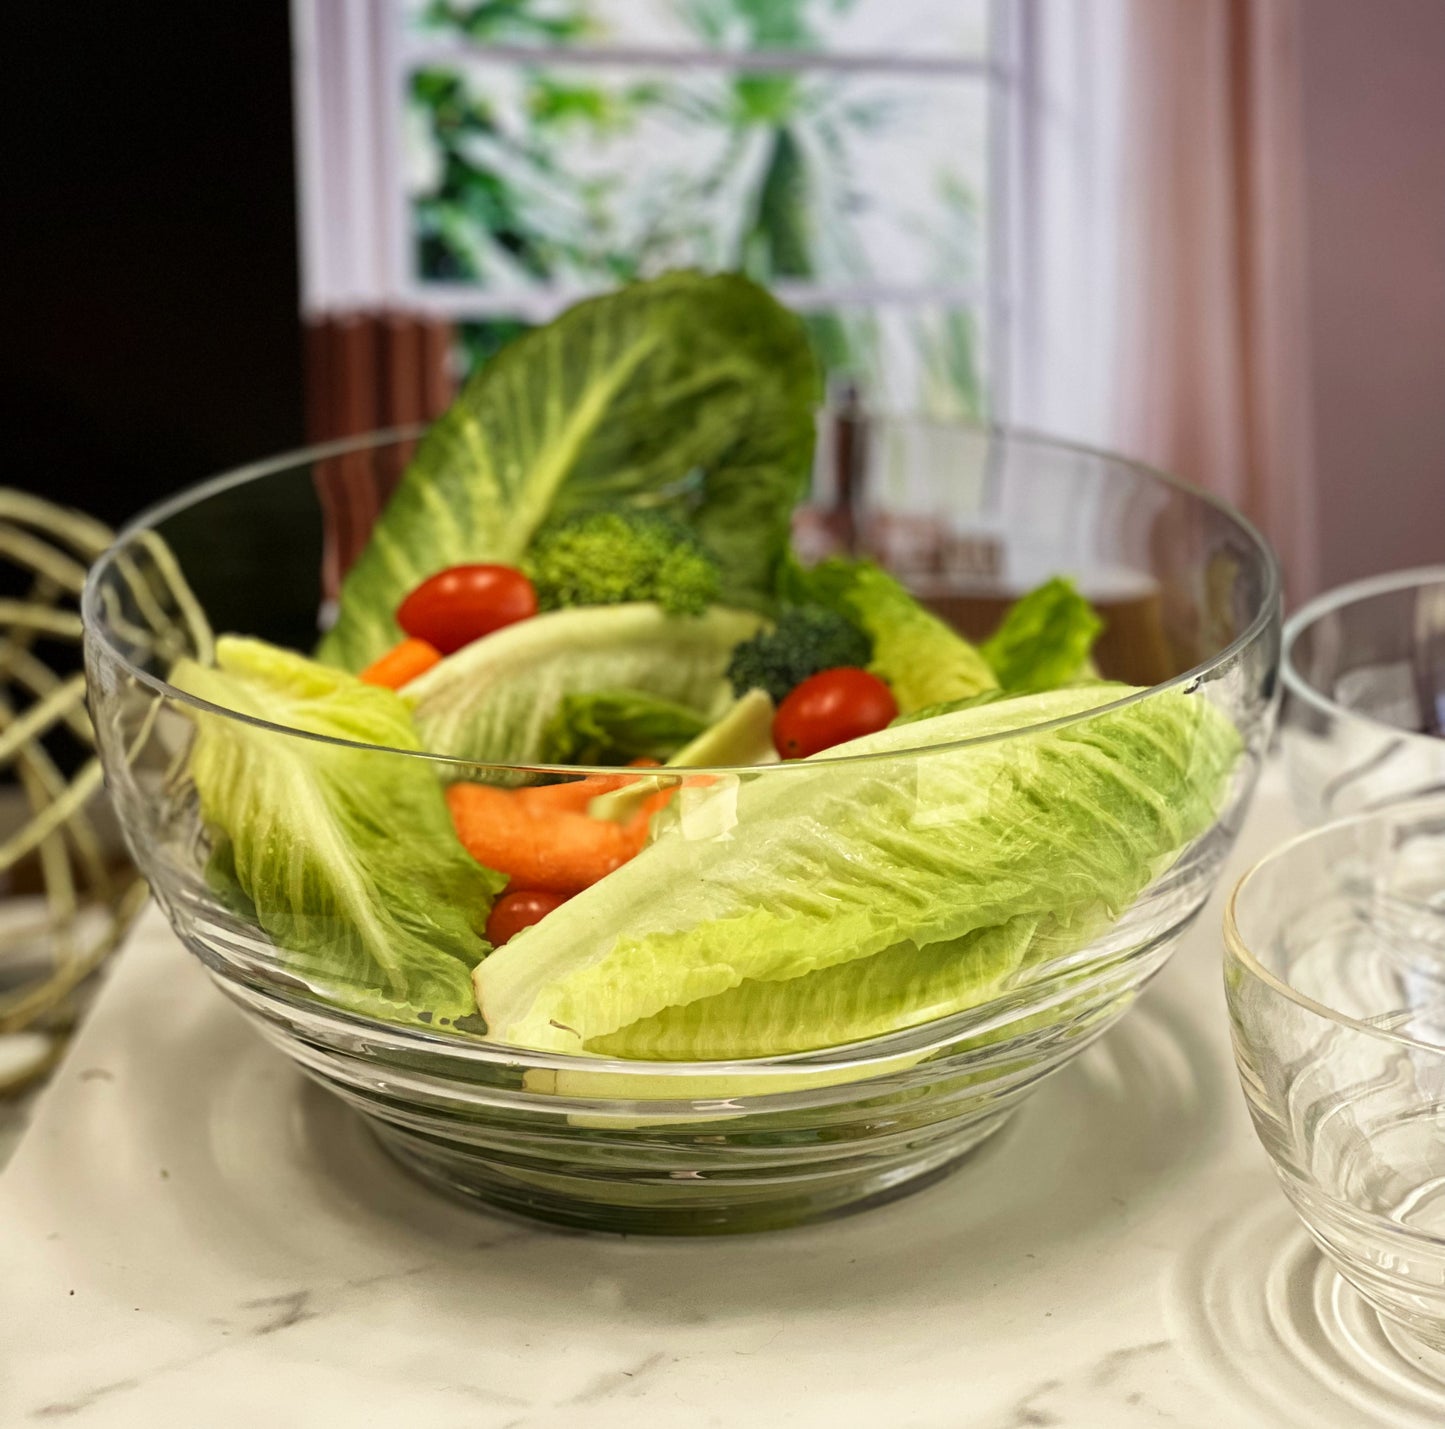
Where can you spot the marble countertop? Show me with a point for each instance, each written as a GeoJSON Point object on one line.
{"type": "Point", "coordinates": [191, 1233]}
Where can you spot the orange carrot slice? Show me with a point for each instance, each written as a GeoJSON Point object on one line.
{"type": "Point", "coordinates": [401, 664]}
{"type": "Point", "coordinates": [576, 794]}
{"type": "Point", "coordinates": [555, 851]}
{"type": "Point", "coordinates": [569, 798]}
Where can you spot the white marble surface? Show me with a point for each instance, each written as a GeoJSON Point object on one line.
{"type": "Point", "coordinates": [190, 1233]}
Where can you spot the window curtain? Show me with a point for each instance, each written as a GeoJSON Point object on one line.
{"type": "Point", "coordinates": [1160, 247]}
{"type": "Point", "coordinates": [368, 372]}
{"type": "Point", "coordinates": [1214, 354]}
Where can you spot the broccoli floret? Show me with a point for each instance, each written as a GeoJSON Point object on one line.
{"type": "Point", "coordinates": [608, 557]}
{"type": "Point", "coordinates": [807, 638]}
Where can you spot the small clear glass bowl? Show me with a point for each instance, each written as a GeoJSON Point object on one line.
{"type": "Point", "coordinates": [1363, 669]}
{"type": "Point", "coordinates": [1335, 977]}
{"type": "Point", "coordinates": [970, 519]}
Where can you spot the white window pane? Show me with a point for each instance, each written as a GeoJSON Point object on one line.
{"type": "Point", "coordinates": [927, 29]}
{"type": "Point", "coordinates": [565, 176]}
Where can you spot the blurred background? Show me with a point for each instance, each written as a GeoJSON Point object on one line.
{"type": "Point", "coordinates": [1210, 233]}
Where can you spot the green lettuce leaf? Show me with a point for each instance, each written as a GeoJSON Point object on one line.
{"type": "Point", "coordinates": [692, 394]}
{"type": "Point", "coordinates": [743, 735]}
{"type": "Point", "coordinates": [491, 701]}
{"type": "Point", "coordinates": [986, 697]}
{"type": "Point", "coordinates": [616, 726]}
{"type": "Point", "coordinates": [924, 660]}
{"type": "Point", "coordinates": [347, 856]}
{"type": "Point", "coordinates": [1044, 640]}
{"type": "Point", "coordinates": [844, 1003]}
{"type": "Point", "coordinates": [811, 868]}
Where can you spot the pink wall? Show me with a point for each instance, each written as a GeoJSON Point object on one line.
{"type": "Point", "coordinates": [1375, 134]}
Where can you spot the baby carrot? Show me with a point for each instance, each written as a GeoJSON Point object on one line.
{"type": "Point", "coordinates": [576, 794]}
{"type": "Point", "coordinates": [552, 850]}
{"type": "Point", "coordinates": [401, 664]}
{"type": "Point", "coordinates": [569, 798]}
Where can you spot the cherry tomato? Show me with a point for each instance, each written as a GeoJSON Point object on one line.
{"type": "Point", "coordinates": [514, 911]}
{"type": "Point", "coordinates": [459, 605]}
{"type": "Point", "coordinates": [831, 708]}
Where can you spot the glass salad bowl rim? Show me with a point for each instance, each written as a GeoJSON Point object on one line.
{"type": "Point", "coordinates": [1239, 951]}
{"type": "Point", "coordinates": [1336, 599]}
{"type": "Point", "coordinates": [95, 622]}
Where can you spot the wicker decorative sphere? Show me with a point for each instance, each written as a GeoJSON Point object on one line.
{"type": "Point", "coordinates": [67, 892]}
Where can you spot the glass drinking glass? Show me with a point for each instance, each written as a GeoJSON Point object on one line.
{"type": "Point", "coordinates": [1364, 675]}
{"type": "Point", "coordinates": [1335, 977]}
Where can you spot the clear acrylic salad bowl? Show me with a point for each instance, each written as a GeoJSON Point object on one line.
{"type": "Point", "coordinates": [1335, 975]}
{"type": "Point", "coordinates": [1364, 676]}
{"type": "Point", "coordinates": [1091, 879]}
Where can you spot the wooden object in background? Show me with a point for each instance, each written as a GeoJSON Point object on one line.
{"type": "Point", "coordinates": [368, 372]}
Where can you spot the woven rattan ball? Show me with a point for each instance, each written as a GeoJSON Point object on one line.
{"type": "Point", "coordinates": [67, 892]}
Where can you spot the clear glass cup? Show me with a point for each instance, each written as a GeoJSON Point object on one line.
{"type": "Point", "coordinates": [743, 1138]}
{"type": "Point", "coordinates": [1363, 669]}
{"type": "Point", "coordinates": [1335, 977]}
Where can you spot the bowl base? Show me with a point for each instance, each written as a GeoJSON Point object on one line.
{"type": "Point", "coordinates": [1423, 1349]}
{"type": "Point", "coordinates": [680, 1205]}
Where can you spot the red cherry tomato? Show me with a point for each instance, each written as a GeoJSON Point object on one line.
{"type": "Point", "coordinates": [831, 708]}
{"type": "Point", "coordinates": [456, 606]}
{"type": "Point", "coordinates": [514, 911]}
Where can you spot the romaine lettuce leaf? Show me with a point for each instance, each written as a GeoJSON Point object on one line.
{"type": "Point", "coordinates": [743, 735]}
{"type": "Point", "coordinates": [986, 697]}
{"type": "Point", "coordinates": [491, 701]}
{"type": "Point", "coordinates": [1044, 639]}
{"type": "Point", "coordinates": [348, 856]}
{"type": "Point", "coordinates": [616, 726]}
{"type": "Point", "coordinates": [845, 1003]}
{"type": "Point", "coordinates": [810, 868]}
{"type": "Point", "coordinates": [693, 394]}
{"type": "Point", "coordinates": [924, 660]}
